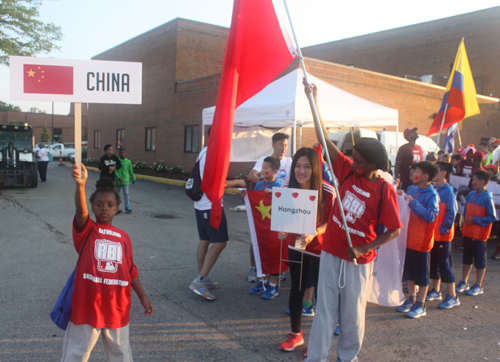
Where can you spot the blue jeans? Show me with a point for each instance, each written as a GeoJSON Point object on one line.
{"type": "Point", "coordinates": [125, 195]}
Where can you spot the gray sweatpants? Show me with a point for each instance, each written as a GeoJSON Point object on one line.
{"type": "Point", "coordinates": [343, 290]}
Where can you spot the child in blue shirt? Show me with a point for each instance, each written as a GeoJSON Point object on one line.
{"type": "Point", "coordinates": [479, 217]}
{"type": "Point", "coordinates": [441, 262]}
{"type": "Point", "coordinates": [424, 206]}
{"type": "Point", "coordinates": [270, 168]}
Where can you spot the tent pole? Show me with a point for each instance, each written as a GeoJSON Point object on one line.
{"type": "Point", "coordinates": [300, 130]}
{"type": "Point", "coordinates": [317, 124]}
{"type": "Point", "coordinates": [294, 133]}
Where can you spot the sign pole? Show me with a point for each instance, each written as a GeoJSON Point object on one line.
{"type": "Point", "coordinates": [78, 134]}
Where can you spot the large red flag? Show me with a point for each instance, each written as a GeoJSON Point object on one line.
{"type": "Point", "coordinates": [265, 242]}
{"type": "Point", "coordinates": [258, 49]}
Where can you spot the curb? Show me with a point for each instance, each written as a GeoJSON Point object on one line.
{"type": "Point", "coordinates": [162, 180]}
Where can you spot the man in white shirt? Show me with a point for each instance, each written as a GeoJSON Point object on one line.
{"type": "Point", "coordinates": [280, 146]}
{"type": "Point", "coordinates": [208, 235]}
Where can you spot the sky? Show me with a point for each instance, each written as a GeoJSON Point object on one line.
{"type": "Point", "coordinates": [93, 26]}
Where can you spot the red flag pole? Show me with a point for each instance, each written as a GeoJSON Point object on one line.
{"type": "Point", "coordinates": [323, 142]}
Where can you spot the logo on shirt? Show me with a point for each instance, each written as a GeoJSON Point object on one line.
{"type": "Point", "coordinates": [354, 208]}
{"type": "Point", "coordinates": [416, 156]}
{"type": "Point", "coordinates": [109, 162]}
{"type": "Point", "coordinates": [108, 254]}
{"type": "Point", "coordinates": [281, 174]}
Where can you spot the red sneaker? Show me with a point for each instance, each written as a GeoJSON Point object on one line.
{"type": "Point", "coordinates": [293, 340]}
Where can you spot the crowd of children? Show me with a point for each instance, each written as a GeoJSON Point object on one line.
{"type": "Point", "coordinates": [431, 228]}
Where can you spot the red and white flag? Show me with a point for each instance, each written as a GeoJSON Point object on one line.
{"type": "Point", "coordinates": [258, 49]}
{"type": "Point", "coordinates": [48, 79]}
{"type": "Point", "coordinates": [265, 243]}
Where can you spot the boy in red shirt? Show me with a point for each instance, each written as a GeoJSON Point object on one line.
{"type": "Point", "coordinates": [104, 277]}
{"type": "Point", "coordinates": [343, 288]}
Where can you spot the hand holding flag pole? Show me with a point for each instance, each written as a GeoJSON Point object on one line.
{"type": "Point", "coordinates": [317, 124]}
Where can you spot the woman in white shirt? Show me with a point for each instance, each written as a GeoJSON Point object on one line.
{"type": "Point", "coordinates": [42, 159]}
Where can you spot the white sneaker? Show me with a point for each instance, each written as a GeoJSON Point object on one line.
{"type": "Point", "coordinates": [252, 275]}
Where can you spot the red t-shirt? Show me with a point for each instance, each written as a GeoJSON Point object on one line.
{"type": "Point", "coordinates": [408, 155]}
{"type": "Point", "coordinates": [364, 210]}
{"type": "Point", "coordinates": [103, 278]}
{"type": "Point", "coordinates": [314, 247]}
{"type": "Point", "coordinates": [466, 168]}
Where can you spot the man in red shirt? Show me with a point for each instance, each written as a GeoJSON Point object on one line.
{"type": "Point", "coordinates": [343, 288]}
{"type": "Point", "coordinates": [408, 154]}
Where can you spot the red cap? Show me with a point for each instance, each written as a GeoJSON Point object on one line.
{"type": "Point", "coordinates": [471, 145]}
{"type": "Point", "coordinates": [478, 155]}
{"type": "Point", "coordinates": [460, 149]}
{"type": "Point", "coordinates": [492, 167]}
{"type": "Point", "coordinates": [408, 130]}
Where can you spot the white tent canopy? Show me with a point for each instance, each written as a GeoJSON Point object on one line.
{"type": "Point", "coordinates": [283, 103]}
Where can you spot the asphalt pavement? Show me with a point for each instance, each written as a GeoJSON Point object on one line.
{"type": "Point", "coordinates": [37, 256]}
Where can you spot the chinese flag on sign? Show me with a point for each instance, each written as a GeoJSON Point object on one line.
{"type": "Point", "coordinates": [258, 49]}
{"type": "Point", "coordinates": [48, 79]}
{"type": "Point", "coordinates": [265, 242]}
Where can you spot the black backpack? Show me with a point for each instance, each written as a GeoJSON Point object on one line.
{"type": "Point", "coordinates": [193, 184]}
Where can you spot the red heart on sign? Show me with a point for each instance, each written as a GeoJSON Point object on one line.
{"type": "Point", "coordinates": [277, 194]}
{"type": "Point", "coordinates": [295, 194]}
{"type": "Point", "coordinates": [312, 198]}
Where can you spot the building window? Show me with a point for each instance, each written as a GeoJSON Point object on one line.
{"type": "Point", "coordinates": [150, 138]}
{"type": "Point", "coordinates": [191, 138]}
{"type": "Point", "coordinates": [97, 139]}
{"type": "Point", "coordinates": [120, 139]}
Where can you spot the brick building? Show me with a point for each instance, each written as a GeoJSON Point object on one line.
{"type": "Point", "coordinates": [182, 60]}
{"type": "Point", "coordinates": [64, 129]}
{"type": "Point", "coordinates": [425, 49]}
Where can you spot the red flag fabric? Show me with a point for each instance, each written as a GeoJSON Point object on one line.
{"type": "Point", "coordinates": [258, 49]}
{"type": "Point", "coordinates": [267, 254]}
{"type": "Point", "coordinates": [48, 79]}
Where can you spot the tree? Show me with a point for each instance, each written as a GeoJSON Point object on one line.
{"type": "Point", "coordinates": [36, 110]}
{"type": "Point", "coordinates": [4, 107]}
{"type": "Point", "coordinates": [21, 33]}
{"type": "Point", "coordinates": [45, 137]}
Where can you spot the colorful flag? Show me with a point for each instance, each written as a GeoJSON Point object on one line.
{"type": "Point", "coordinates": [459, 99]}
{"type": "Point", "coordinates": [265, 243]}
{"type": "Point", "coordinates": [48, 79]}
{"type": "Point", "coordinates": [449, 140]}
{"type": "Point", "coordinates": [258, 49]}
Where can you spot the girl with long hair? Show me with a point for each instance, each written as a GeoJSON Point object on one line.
{"type": "Point", "coordinates": [304, 250]}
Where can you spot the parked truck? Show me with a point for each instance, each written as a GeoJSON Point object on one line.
{"type": "Point", "coordinates": [59, 149]}
{"type": "Point", "coordinates": [17, 161]}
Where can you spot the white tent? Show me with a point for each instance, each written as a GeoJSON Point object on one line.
{"type": "Point", "coordinates": [283, 104]}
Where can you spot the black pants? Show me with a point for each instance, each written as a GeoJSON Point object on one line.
{"type": "Point", "coordinates": [296, 298]}
{"type": "Point", "coordinates": [42, 169]}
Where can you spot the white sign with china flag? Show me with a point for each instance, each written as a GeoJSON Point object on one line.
{"type": "Point", "coordinates": [294, 210]}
